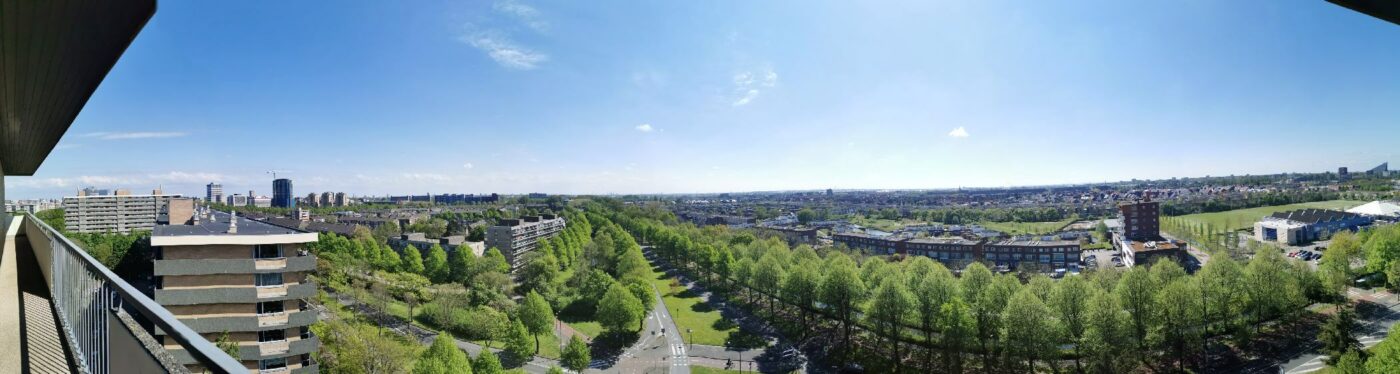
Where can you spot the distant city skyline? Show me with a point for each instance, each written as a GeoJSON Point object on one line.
{"type": "Point", "coordinates": [518, 96]}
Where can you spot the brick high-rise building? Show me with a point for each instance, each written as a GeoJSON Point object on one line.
{"type": "Point", "coordinates": [1140, 220]}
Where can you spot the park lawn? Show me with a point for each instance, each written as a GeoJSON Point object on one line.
{"type": "Point", "coordinates": [885, 224]}
{"type": "Point", "coordinates": [688, 311]}
{"type": "Point", "coordinates": [549, 345]}
{"type": "Point", "coordinates": [709, 370]}
{"type": "Point", "coordinates": [1016, 228]}
{"type": "Point", "coordinates": [1240, 219]}
{"type": "Point", "coordinates": [591, 329]}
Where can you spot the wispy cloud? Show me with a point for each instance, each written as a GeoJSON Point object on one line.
{"type": "Point", "coordinates": [526, 13]}
{"type": "Point", "coordinates": [959, 132]}
{"type": "Point", "coordinates": [504, 51]}
{"type": "Point", "coordinates": [645, 127]}
{"type": "Point", "coordinates": [468, 165]}
{"type": "Point", "coordinates": [748, 84]}
{"type": "Point", "coordinates": [135, 135]}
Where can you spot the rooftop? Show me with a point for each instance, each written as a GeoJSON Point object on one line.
{"type": "Point", "coordinates": [217, 223]}
{"type": "Point", "coordinates": [1311, 216]}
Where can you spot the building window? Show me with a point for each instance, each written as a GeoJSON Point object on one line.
{"type": "Point", "coordinates": [273, 364]}
{"type": "Point", "coordinates": [269, 307]}
{"type": "Point", "coordinates": [267, 251]}
{"type": "Point", "coordinates": [272, 279]}
{"type": "Point", "coordinates": [272, 336]}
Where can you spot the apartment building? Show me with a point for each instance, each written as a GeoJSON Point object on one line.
{"type": "Point", "coordinates": [121, 213]}
{"type": "Point", "coordinates": [214, 193]}
{"type": "Point", "coordinates": [218, 273]}
{"type": "Point", "coordinates": [1140, 220]}
{"type": "Point", "coordinates": [516, 237]}
{"type": "Point", "coordinates": [957, 251]}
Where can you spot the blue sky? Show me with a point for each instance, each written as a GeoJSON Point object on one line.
{"type": "Point", "coordinates": [587, 97]}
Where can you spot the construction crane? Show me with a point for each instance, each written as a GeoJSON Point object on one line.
{"type": "Point", "coordinates": [274, 172]}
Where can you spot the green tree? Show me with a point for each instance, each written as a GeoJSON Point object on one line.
{"type": "Point", "coordinates": [518, 340]}
{"type": "Point", "coordinates": [1335, 266]}
{"type": "Point", "coordinates": [385, 231]}
{"type": "Point", "coordinates": [1107, 334]}
{"type": "Point", "coordinates": [226, 345]}
{"type": "Point", "coordinates": [461, 264]}
{"type": "Point", "coordinates": [487, 363]}
{"type": "Point", "coordinates": [1028, 334]}
{"type": "Point", "coordinates": [1137, 291]}
{"type": "Point", "coordinates": [1353, 362]}
{"type": "Point", "coordinates": [1068, 300]}
{"type": "Point", "coordinates": [443, 357]}
{"type": "Point", "coordinates": [436, 265]}
{"type": "Point", "coordinates": [537, 316]}
{"type": "Point", "coordinates": [956, 324]}
{"type": "Point", "coordinates": [768, 276]}
{"type": "Point", "coordinates": [540, 274]}
{"type": "Point", "coordinates": [1336, 335]}
{"type": "Point", "coordinates": [988, 312]}
{"type": "Point", "coordinates": [887, 310]}
{"type": "Point", "coordinates": [412, 260]}
{"type": "Point", "coordinates": [1385, 357]}
{"type": "Point", "coordinates": [936, 288]}
{"type": "Point", "coordinates": [642, 290]}
{"type": "Point", "coordinates": [1382, 247]}
{"type": "Point", "coordinates": [1178, 319]}
{"type": "Point", "coordinates": [554, 370]}
{"type": "Point", "coordinates": [801, 288]}
{"type": "Point", "coordinates": [619, 309]}
{"type": "Point", "coordinates": [493, 260]}
{"type": "Point", "coordinates": [576, 355]}
{"type": "Point", "coordinates": [842, 292]}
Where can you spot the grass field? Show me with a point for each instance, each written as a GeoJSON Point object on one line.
{"type": "Point", "coordinates": [707, 326]}
{"type": "Point", "coordinates": [549, 345]}
{"type": "Point", "coordinates": [1240, 219]}
{"type": "Point", "coordinates": [1016, 228]}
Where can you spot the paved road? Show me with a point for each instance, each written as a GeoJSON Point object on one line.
{"type": "Point", "coordinates": [1370, 330]}
{"type": "Point", "coordinates": [661, 347]}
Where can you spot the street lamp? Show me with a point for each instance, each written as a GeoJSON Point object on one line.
{"type": "Point", "coordinates": [690, 345]}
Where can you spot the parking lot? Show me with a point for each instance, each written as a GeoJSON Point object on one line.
{"type": "Point", "coordinates": [1103, 258]}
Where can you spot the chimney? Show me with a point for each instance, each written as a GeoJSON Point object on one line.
{"type": "Point", "coordinates": [180, 211]}
{"type": "Point", "coordinates": [232, 222]}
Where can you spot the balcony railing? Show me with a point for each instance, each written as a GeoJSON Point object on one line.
{"type": "Point", "coordinates": [87, 297]}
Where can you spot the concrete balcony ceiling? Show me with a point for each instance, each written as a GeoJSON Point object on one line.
{"type": "Point", "coordinates": [53, 55]}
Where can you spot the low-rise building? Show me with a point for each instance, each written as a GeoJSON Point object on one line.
{"type": "Point", "coordinates": [794, 236]}
{"type": "Point", "coordinates": [1306, 225]}
{"type": "Point", "coordinates": [423, 243]}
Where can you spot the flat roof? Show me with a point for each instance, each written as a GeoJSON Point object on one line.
{"type": "Point", "coordinates": [215, 231]}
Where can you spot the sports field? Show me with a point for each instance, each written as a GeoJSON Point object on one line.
{"type": "Point", "coordinates": [1240, 219]}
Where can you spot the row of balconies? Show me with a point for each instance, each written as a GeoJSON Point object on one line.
{"type": "Point", "coordinates": [235, 295]}
{"type": "Point", "coordinates": [253, 351]}
{"type": "Point", "coordinates": [235, 266]}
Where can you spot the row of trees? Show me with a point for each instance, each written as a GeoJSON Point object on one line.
{"type": "Point", "coordinates": [916, 315]}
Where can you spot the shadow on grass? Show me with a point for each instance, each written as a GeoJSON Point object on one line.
{"type": "Point", "coordinates": [743, 341]}
{"type": "Point", "coordinates": [608, 346]}
{"type": "Point", "coordinates": [577, 311]}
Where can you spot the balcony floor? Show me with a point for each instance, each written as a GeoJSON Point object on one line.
{"type": "Point", "coordinates": [30, 323]}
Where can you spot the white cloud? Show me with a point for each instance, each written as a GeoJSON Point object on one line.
{"type": "Point", "coordinates": [959, 132]}
{"type": "Point", "coordinates": [135, 135]}
{"type": "Point", "coordinates": [526, 13]}
{"type": "Point", "coordinates": [425, 177]}
{"type": "Point", "coordinates": [468, 165]}
{"type": "Point", "coordinates": [748, 97]}
{"type": "Point", "coordinates": [504, 51]}
{"type": "Point", "coordinates": [645, 127]}
{"type": "Point", "coordinates": [748, 84]}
